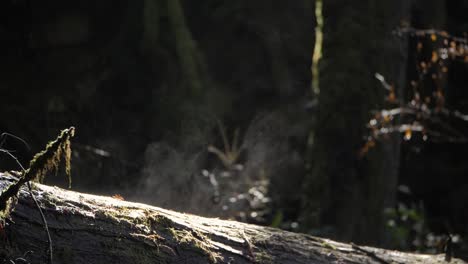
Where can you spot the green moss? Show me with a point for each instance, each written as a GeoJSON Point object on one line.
{"type": "Point", "coordinates": [49, 159]}
{"type": "Point", "coordinates": [195, 240]}
{"type": "Point", "coordinates": [328, 245]}
{"type": "Point", "coordinates": [42, 163]}
{"type": "Point", "coordinates": [263, 258]}
{"type": "Point", "coordinates": [317, 55]}
{"type": "Point", "coordinates": [10, 204]}
{"type": "Point", "coordinates": [159, 221]}
{"type": "Point", "coordinates": [189, 56]}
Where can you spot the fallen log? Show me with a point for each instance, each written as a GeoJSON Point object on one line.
{"type": "Point", "coordinates": [94, 229]}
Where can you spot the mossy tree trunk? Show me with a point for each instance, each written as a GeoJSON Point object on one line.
{"type": "Point", "coordinates": [346, 194]}
{"type": "Point", "coordinates": [190, 58]}
{"type": "Point", "coordinates": [95, 229]}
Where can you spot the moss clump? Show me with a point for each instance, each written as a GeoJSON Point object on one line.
{"type": "Point", "coordinates": [159, 221]}
{"type": "Point", "coordinates": [197, 241]}
{"type": "Point", "coordinates": [49, 159]}
{"type": "Point", "coordinates": [9, 205]}
{"type": "Point", "coordinates": [263, 257]}
{"type": "Point", "coordinates": [42, 163]}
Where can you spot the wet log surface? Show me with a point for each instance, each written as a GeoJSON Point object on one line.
{"type": "Point", "coordinates": [96, 229]}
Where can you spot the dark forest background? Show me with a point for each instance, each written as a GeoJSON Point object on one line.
{"type": "Point", "coordinates": [209, 107]}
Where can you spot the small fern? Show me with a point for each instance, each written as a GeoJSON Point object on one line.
{"type": "Point", "coordinates": [231, 152]}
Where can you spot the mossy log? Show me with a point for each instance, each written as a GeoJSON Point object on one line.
{"type": "Point", "coordinates": [95, 229]}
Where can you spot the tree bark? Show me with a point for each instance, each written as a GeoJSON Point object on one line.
{"type": "Point", "coordinates": [345, 192]}
{"type": "Point", "coordinates": [95, 229]}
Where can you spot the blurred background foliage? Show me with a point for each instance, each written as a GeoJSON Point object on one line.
{"type": "Point", "coordinates": [207, 107]}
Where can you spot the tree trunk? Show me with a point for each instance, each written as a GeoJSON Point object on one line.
{"type": "Point", "coordinates": [344, 193]}
{"type": "Point", "coordinates": [95, 229]}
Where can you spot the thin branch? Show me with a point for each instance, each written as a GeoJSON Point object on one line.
{"type": "Point", "coordinates": [384, 83]}
{"type": "Point", "coordinates": [44, 222]}
{"type": "Point", "coordinates": [4, 136]}
{"type": "Point", "coordinates": [424, 32]}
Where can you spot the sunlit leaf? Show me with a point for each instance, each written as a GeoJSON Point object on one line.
{"type": "Point", "coordinates": [387, 119]}
{"type": "Point", "coordinates": [434, 57]}
{"type": "Point", "coordinates": [408, 134]}
{"type": "Point", "coordinates": [367, 146]}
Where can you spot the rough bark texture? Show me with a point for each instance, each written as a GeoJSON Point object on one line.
{"type": "Point", "coordinates": [94, 229]}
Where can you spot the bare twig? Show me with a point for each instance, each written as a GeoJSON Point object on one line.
{"type": "Point", "coordinates": [4, 136]}
{"type": "Point", "coordinates": [369, 253]}
{"type": "Point", "coordinates": [249, 246]}
{"type": "Point", "coordinates": [50, 252]}
{"type": "Point", "coordinates": [424, 32]}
